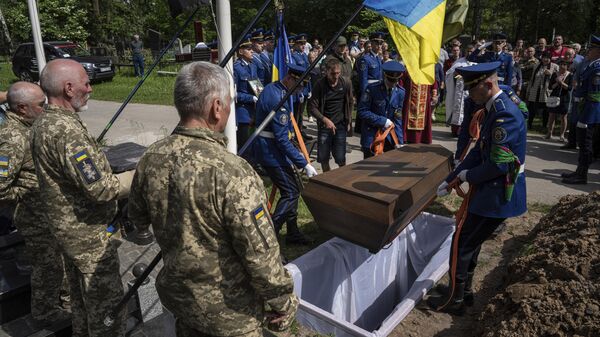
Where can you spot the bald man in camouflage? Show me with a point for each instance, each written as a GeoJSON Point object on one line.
{"type": "Point", "coordinates": [19, 187]}
{"type": "Point", "coordinates": [80, 193]}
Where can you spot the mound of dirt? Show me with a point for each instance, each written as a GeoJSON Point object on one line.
{"type": "Point", "coordinates": [553, 288]}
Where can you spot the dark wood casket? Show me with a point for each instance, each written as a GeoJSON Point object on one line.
{"type": "Point", "coordinates": [370, 202]}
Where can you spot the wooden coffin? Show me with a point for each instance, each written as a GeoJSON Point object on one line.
{"type": "Point", "coordinates": [370, 202]}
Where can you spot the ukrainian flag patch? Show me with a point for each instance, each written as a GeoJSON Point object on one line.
{"type": "Point", "coordinates": [4, 166]}
{"type": "Point", "coordinates": [86, 167]}
{"type": "Point", "coordinates": [258, 213]}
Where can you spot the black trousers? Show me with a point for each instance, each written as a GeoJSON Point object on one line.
{"type": "Point", "coordinates": [585, 139]}
{"type": "Point", "coordinates": [475, 231]}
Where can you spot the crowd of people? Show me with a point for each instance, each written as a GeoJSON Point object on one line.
{"type": "Point", "coordinates": [222, 273]}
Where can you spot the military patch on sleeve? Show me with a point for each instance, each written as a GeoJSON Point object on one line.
{"type": "Point", "coordinates": [363, 66]}
{"type": "Point", "coordinates": [283, 119]}
{"type": "Point", "coordinates": [398, 113]}
{"type": "Point", "coordinates": [4, 160]}
{"type": "Point", "coordinates": [86, 167]}
{"type": "Point", "coordinates": [499, 135]}
{"type": "Point", "coordinates": [596, 80]}
{"type": "Point", "coordinates": [258, 213]}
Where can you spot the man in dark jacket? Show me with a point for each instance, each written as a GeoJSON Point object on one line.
{"type": "Point", "coordinates": [331, 104]}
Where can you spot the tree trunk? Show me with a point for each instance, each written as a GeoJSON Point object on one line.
{"type": "Point", "coordinates": [6, 33]}
{"type": "Point", "coordinates": [477, 18]}
{"type": "Point", "coordinates": [96, 7]}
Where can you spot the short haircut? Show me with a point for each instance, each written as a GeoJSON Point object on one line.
{"type": "Point", "coordinates": [331, 63]}
{"type": "Point", "coordinates": [56, 74]}
{"type": "Point", "coordinates": [20, 93]}
{"type": "Point", "coordinates": [197, 84]}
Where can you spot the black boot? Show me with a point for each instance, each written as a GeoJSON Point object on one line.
{"type": "Point", "coordinates": [568, 174]}
{"type": "Point", "coordinates": [456, 305]}
{"type": "Point", "coordinates": [469, 298]}
{"type": "Point", "coordinates": [579, 178]}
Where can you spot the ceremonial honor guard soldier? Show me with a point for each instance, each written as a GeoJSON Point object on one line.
{"type": "Point", "coordinates": [505, 71]}
{"type": "Point", "coordinates": [301, 58]}
{"type": "Point", "coordinates": [381, 107]}
{"type": "Point", "coordinates": [247, 86]}
{"type": "Point", "coordinates": [369, 65]}
{"type": "Point", "coordinates": [275, 151]}
{"type": "Point", "coordinates": [259, 58]}
{"type": "Point", "coordinates": [494, 168]}
{"type": "Point", "coordinates": [588, 113]}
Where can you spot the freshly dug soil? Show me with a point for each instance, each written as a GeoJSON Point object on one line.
{"type": "Point", "coordinates": [553, 288]}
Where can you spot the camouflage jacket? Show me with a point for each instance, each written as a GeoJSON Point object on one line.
{"type": "Point", "coordinates": [18, 182]}
{"type": "Point", "coordinates": [221, 255]}
{"type": "Point", "coordinates": [77, 185]}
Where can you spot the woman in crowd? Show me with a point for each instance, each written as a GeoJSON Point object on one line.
{"type": "Point", "coordinates": [537, 90]}
{"type": "Point", "coordinates": [560, 84]}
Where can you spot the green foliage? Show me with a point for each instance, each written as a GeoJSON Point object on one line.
{"type": "Point", "coordinates": [59, 20]}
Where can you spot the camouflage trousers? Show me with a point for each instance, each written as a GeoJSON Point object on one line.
{"type": "Point", "coordinates": [48, 281]}
{"type": "Point", "coordinates": [94, 295]}
{"type": "Point", "coordinates": [184, 330]}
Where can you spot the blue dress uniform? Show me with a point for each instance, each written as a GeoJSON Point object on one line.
{"type": "Point", "coordinates": [588, 116]}
{"type": "Point", "coordinates": [274, 150]}
{"type": "Point", "coordinates": [243, 72]}
{"type": "Point", "coordinates": [492, 167]}
{"type": "Point", "coordinates": [472, 107]}
{"type": "Point", "coordinates": [261, 60]}
{"type": "Point", "coordinates": [505, 71]}
{"type": "Point", "coordinates": [300, 100]}
{"type": "Point", "coordinates": [377, 105]}
{"type": "Point", "coordinates": [369, 67]}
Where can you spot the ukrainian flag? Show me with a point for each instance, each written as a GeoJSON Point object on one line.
{"type": "Point", "coordinates": [416, 27]}
{"type": "Point", "coordinates": [281, 54]}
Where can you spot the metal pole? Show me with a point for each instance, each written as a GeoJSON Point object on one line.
{"type": "Point", "coordinates": [291, 90]}
{"type": "Point", "coordinates": [225, 52]}
{"type": "Point", "coordinates": [143, 79]}
{"type": "Point", "coordinates": [37, 35]}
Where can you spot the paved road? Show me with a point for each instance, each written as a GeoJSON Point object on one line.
{"type": "Point", "coordinates": [144, 124]}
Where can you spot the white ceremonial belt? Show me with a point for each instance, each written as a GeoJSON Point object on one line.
{"type": "Point", "coordinates": [372, 81]}
{"type": "Point", "coordinates": [500, 79]}
{"type": "Point", "coordinates": [266, 134]}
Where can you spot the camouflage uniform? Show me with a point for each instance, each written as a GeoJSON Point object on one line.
{"type": "Point", "coordinates": [19, 186]}
{"type": "Point", "coordinates": [76, 180]}
{"type": "Point", "coordinates": [208, 210]}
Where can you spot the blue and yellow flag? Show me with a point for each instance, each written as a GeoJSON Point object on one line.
{"type": "Point", "coordinates": [416, 27]}
{"type": "Point", "coordinates": [282, 54]}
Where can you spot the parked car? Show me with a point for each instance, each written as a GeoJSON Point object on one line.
{"type": "Point", "coordinates": [24, 62]}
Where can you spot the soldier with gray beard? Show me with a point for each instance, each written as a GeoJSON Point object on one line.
{"type": "Point", "coordinates": [19, 187]}
{"type": "Point", "coordinates": [208, 208]}
{"type": "Point", "coordinates": [80, 195]}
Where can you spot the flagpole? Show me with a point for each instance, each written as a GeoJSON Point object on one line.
{"type": "Point", "coordinates": [290, 92]}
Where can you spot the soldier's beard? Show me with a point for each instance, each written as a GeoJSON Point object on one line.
{"type": "Point", "coordinates": [81, 104]}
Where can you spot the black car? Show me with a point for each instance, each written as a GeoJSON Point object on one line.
{"type": "Point", "coordinates": [24, 62]}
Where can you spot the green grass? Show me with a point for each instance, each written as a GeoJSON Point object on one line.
{"type": "Point", "coordinates": [157, 89]}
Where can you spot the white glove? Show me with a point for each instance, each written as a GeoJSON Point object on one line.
{"type": "Point", "coordinates": [485, 45]}
{"type": "Point", "coordinates": [255, 99]}
{"type": "Point", "coordinates": [301, 98]}
{"type": "Point", "coordinates": [582, 125]}
{"type": "Point", "coordinates": [399, 146]}
{"type": "Point", "coordinates": [388, 123]}
{"type": "Point", "coordinates": [442, 189]}
{"type": "Point", "coordinates": [463, 175]}
{"type": "Point", "coordinates": [309, 95]}
{"type": "Point", "coordinates": [310, 171]}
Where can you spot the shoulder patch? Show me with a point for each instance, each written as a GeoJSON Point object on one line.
{"type": "Point", "coordinates": [4, 160]}
{"type": "Point", "coordinates": [85, 165]}
{"type": "Point", "coordinates": [258, 212]}
{"type": "Point", "coordinates": [499, 135]}
{"type": "Point", "coordinates": [283, 119]}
